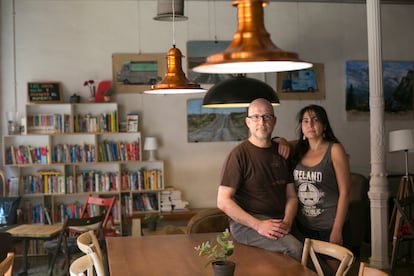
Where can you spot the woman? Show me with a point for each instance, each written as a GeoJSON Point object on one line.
{"type": "Point", "coordinates": [322, 180]}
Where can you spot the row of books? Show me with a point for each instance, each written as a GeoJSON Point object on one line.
{"type": "Point", "coordinates": [105, 122]}
{"type": "Point", "coordinates": [144, 179]}
{"type": "Point", "coordinates": [74, 210]}
{"type": "Point", "coordinates": [52, 182]}
{"type": "Point", "coordinates": [27, 155]}
{"type": "Point", "coordinates": [34, 214]}
{"type": "Point", "coordinates": [140, 202]}
{"type": "Point", "coordinates": [118, 151]}
{"type": "Point", "coordinates": [65, 153]}
{"type": "Point", "coordinates": [48, 123]}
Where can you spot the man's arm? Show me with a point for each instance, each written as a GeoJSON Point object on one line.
{"type": "Point", "coordinates": [271, 228]}
{"type": "Point", "coordinates": [284, 147]}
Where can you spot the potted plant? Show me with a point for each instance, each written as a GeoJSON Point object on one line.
{"type": "Point", "coordinates": [217, 254]}
{"type": "Point", "coordinates": [152, 220]}
{"type": "Point", "coordinates": [107, 95]}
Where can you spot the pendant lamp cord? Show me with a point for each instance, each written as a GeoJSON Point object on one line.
{"type": "Point", "coordinates": [173, 22]}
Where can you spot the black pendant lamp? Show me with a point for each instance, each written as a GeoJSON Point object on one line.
{"type": "Point", "coordinates": [252, 50]}
{"type": "Point", "coordinates": [239, 91]}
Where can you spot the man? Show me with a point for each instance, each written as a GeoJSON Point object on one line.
{"type": "Point", "coordinates": [257, 190]}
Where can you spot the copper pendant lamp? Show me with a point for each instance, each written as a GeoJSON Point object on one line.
{"type": "Point", "coordinates": [252, 50]}
{"type": "Point", "coordinates": [237, 92]}
{"type": "Point", "coordinates": [175, 81]}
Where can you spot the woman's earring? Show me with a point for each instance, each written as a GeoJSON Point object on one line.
{"type": "Point", "coordinates": [304, 138]}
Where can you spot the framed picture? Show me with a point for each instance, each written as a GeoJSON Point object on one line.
{"type": "Point", "coordinates": [397, 88]}
{"type": "Point", "coordinates": [215, 124]}
{"type": "Point", "coordinates": [306, 84]}
{"type": "Point", "coordinates": [135, 73]}
{"type": "Point", "coordinates": [197, 52]}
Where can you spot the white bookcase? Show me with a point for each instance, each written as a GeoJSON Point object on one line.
{"type": "Point", "coordinates": [72, 150]}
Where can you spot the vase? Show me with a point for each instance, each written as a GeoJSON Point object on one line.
{"type": "Point", "coordinates": [107, 98]}
{"type": "Point", "coordinates": [223, 268]}
{"type": "Point", "coordinates": [152, 225]}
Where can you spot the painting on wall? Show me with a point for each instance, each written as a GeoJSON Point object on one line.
{"type": "Point", "coordinates": [305, 84]}
{"type": "Point", "coordinates": [215, 124]}
{"type": "Point", "coordinates": [397, 88]}
{"type": "Point", "coordinates": [135, 73]}
{"type": "Point", "coordinates": [197, 52]}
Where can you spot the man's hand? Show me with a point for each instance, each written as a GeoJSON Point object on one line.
{"type": "Point", "coordinates": [272, 228]}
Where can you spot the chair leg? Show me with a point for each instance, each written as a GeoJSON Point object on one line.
{"type": "Point", "coordinates": [394, 256]}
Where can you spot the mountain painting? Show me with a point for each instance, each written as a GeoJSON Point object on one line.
{"type": "Point", "coordinates": [397, 86]}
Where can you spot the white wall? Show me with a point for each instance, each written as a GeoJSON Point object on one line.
{"type": "Point", "coordinates": [73, 40]}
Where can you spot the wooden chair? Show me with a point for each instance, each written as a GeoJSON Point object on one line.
{"type": "Point", "coordinates": [6, 254]}
{"type": "Point", "coordinates": [66, 243]}
{"type": "Point", "coordinates": [365, 270]}
{"type": "Point", "coordinates": [85, 263]}
{"type": "Point", "coordinates": [404, 227]}
{"type": "Point", "coordinates": [208, 220]}
{"type": "Point", "coordinates": [6, 265]}
{"type": "Point", "coordinates": [95, 206]}
{"type": "Point", "coordinates": [88, 244]}
{"type": "Point", "coordinates": [312, 247]}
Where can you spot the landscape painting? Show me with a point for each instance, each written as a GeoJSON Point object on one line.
{"type": "Point", "coordinates": [215, 124]}
{"type": "Point", "coordinates": [397, 86]}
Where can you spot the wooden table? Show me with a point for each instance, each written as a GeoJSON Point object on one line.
{"type": "Point", "coordinates": [26, 232]}
{"type": "Point", "coordinates": [175, 255]}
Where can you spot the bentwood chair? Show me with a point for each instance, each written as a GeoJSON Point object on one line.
{"type": "Point", "coordinates": [88, 243]}
{"type": "Point", "coordinates": [313, 247]}
{"type": "Point", "coordinates": [405, 228]}
{"type": "Point", "coordinates": [66, 243]}
{"type": "Point", "coordinates": [6, 265]}
{"type": "Point", "coordinates": [85, 263]}
{"type": "Point", "coordinates": [6, 253]}
{"type": "Point", "coordinates": [207, 221]}
{"type": "Point", "coordinates": [365, 270]}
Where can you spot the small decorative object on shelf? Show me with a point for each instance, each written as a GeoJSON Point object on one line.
{"type": "Point", "coordinates": [151, 145]}
{"type": "Point", "coordinates": [108, 94]}
{"type": "Point", "coordinates": [152, 220]}
{"type": "Point", "coordinates": [217, 254]}
{"type": "Point", "coordinates": [92, 89]}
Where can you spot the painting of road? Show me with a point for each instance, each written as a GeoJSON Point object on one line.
{"type": "Point", "coordinates": [215, 124]}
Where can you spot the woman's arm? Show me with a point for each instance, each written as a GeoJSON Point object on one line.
{"type": "Point", "coordinates": [343, 177]}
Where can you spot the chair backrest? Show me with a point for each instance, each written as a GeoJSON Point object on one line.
{"type": "Point", "coordinates": [207, 221]}
{"type": "Point", "coordinates": [365, 270]}
{"type": "Point", "coordinates": [88, 243]}
{"type": "Point", "coordinates": [311, 247]}
{"type": "Point", "coordinates": [86, 263]}
{"type": "Point", "coordinates": [6, 265]}
{"type": "Point", "coordinates": [6, 244]}
{"type": "Point", "coordinates": [98, 205]}
{"type": "Point", "coordinates": [405, 211]}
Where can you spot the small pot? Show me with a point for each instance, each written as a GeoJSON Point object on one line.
{"type": "Point", "coordinates": [107, 98]}
{"type": "Point", "coordinates": [224, 268]}
{"type": "Point", "coordinates": [74, 98]}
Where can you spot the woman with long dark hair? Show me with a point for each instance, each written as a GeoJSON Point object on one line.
{"type": "Point", "coordinates": [322, 180]}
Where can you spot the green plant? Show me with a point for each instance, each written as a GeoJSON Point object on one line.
{"type": "Point", "coordinates": [153, 217]}
{"type": "Point", "coordinates": [219, 251]}
{"type": "Point", "coordinates": [109, 92]}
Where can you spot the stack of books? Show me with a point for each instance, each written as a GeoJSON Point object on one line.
{"type": "Point", "coordinates": [171, 201]}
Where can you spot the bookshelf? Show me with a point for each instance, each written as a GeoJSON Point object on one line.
{"type": "Point", "coordinates": [72, 150]}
